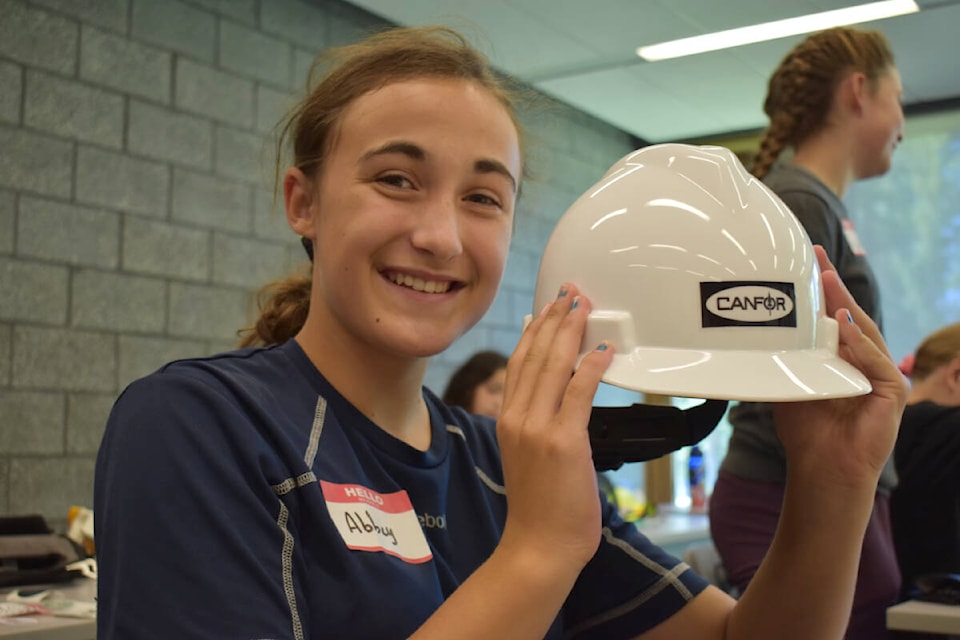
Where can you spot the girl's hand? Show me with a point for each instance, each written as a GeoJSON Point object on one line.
{"type": "Point", "coordinates": [552, 497]}
{"type": "Point", "coordinates": [845, 442]}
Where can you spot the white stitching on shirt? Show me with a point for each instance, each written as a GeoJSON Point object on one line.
{"type": "Point", "coordinates": [314, 442]}
{"type": "Point", "coordinates": [286, 560]}
{"type": "Point", "coordinates": [290, 484]}
{"type": "Point", "coordinates": [668, 578]}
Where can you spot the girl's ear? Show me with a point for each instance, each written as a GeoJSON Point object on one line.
{"type": "Point", "coordinates": [854, 90]}
{"type": "Point", "coordinates": [952, 376]}
{"type": "Point", "coordinates": [298, 194]}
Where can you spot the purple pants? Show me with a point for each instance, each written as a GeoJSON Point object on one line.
{"type": "Point", "coordinates": [743, 518]}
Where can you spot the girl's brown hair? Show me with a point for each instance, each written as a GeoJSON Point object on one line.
{"type": "Point", "coordinates": [343, 75]}
{"type": "Point", "coordinates": [801, 90]}
{"type": "Point", "coordinates": [936, 350]}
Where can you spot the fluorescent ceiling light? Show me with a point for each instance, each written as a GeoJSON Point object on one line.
{"type": "Point", "coordinates": [777, 29]}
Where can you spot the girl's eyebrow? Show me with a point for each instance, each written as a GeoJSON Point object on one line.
{"type": "Point", "coordinates": [416, 152]}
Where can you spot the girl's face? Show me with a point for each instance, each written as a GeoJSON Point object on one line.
{"type": "Point", "coordinates": [882, 127]}
{"type": "Point", "coordinates": [488, 395]}
{"type": "Point", "coordinates": [411, 216]}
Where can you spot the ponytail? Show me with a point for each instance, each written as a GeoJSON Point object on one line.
{"type": "Point", "coordinates": [283, 309]}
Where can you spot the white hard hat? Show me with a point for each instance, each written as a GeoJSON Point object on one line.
{"type": "Point", "coordinates": [701, 278]}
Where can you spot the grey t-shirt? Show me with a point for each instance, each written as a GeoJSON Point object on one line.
{"type": "Point", "coordinates": [755, 452]}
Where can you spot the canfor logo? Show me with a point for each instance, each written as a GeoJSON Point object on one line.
{"type": "Point", "coordinates": [748, 303]}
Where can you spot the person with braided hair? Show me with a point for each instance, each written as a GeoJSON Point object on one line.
{"type": "Point", "coordinates": [835, 103]}
{"type": "Point", "coordinates": [925, 505]}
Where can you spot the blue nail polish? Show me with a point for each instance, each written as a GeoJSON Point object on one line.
{"type": "Point", "coordinates": [576, 303]}
{"type": "Point", "coordinates": [602, 346]}
{"type": "Point", "coordinates": [849, 318]}
{"type": "Point", "coordinates": [563, 292]}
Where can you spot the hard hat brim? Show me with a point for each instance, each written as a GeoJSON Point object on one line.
{"type": "Point", "coordinates": [780, 376]}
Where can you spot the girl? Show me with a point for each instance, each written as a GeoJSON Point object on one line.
{"type": "Point", "coordinates": [314, 489]}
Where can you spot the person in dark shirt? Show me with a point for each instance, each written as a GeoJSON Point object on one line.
{"type": "Point", "coordinates": [925, 506]}
{"type": "Point", "coordinates": [309, 486]}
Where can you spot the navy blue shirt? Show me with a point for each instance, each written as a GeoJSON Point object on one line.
{"type": "Point", "coordinates": [241, 496]}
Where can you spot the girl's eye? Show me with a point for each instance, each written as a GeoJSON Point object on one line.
{"type": "Point", "coordinates": [395, 180]}
{"type": "Point", "coordinates": [482, 198]}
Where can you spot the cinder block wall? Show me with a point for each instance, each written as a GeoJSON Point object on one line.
{"type": "Point", "coordinates": [136, 216]}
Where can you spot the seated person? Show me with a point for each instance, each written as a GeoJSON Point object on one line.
{"type": "Point", "coordinates": [477, 385]}
{"type": "Point", "coordinates": [925, 506]}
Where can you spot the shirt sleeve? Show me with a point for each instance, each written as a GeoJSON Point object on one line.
{"type": "Point", "coordinates": [630, 586]}
{"type": "Point", "coordinates": [189, 533]}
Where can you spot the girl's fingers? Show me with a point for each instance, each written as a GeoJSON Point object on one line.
{"type": "Point", "coordinates": [527, 362]}
{"type": "Point", "coordinates": [561, 359]}
{"type": "Point", "coordinates": [839, 299]}
{"type": "Point", "coordinates": [870, 357]}
{"type": "Point", "coordinates": [583, 386]}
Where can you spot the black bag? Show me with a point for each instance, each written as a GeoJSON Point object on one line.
{"type": "Point", "coordinates": [30, 553]}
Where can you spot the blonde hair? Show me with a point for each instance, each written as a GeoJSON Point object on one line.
{"type": "Point", "coordinates": [310, 129]}
{"type": "Point", "coordinates": [936, 350]}
{"type": "Point", "coordinates": [801, 90]}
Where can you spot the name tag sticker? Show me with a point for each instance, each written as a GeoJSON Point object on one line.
{"type": "Point", "coordinates": [850, 233]}
{"type": "Point", "coordinates": [371, 521]}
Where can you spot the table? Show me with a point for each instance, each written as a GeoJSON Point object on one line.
{"type": "Point", "coordinates": [54, 627]}
{"type": "Point", "coordinates": [675, 532]}
{"type": "Point", "coordinates": [929, 617]}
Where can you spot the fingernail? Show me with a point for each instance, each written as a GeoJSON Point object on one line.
{"type": "Point", "coordinates": [563, 292]}
{"type": "Point", "coordinates": [546, 308]}
{"type": "Point", "coordinates": [576, 303]}
{"type": "Point", "coordinates": [602, 346]}
{"type": "Point", "coordinates": [849, 317]}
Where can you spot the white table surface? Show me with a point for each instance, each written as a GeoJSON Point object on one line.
{"type": "Point", "coordinates": [929, 617]}
{"type": "Point", "coordinates": [48, 627]}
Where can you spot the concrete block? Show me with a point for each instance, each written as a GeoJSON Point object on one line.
{"type": "Point", "coordinates": [6, 353]}
{"type": "Point", "coordinates": [32, 291]}
{"type": "Point", "coordinates": [129, 66]}
{"type": "Point", "coordinates": [8, 221]}
{"type": "Point", "coordinates": [63, 359]}
{"type": "Point", "coordinates": [269, 218]}
{"type": "Point", "coordinates": [222, 96]}
{"type": "Point", "coordinates": [73, 110]}
{"type": "Point", "coordinates": [505, 340]}
{"type": "Point", "coordinates": [109, 14]}
{"type": "Point", "coordinates": [245, 262]}
{"type": "Point", "coordinates": [303, 23]}
{"type": "Point", "coordinates": [349, 24]}
{"type": "Point", "coordinates": [11, 98]}
{"type": "Point", "coordinates": [68, 233]}
{"type": "Point", "coordinates": [118, 181]}
{"type": "Point", "coordinates": [253, 54]}
{"type": "Point", "coordinates": [87, 415]}
{"type": "Point", "coordinates": [199, 311]}
{"type": "Point", "coordinates": [179, 138]}
{"type": "Point", "coordinates": [141, 356]}
{"type": "Point", "coordinates": [37, 37]}
{"type": "Point", "coordinates": [244, 156]}
{"type": "Point", "coordinates": [50, 486]}
{"type": "Point", "coordinates": [118, 302]}
{"type": "Point", "coordinates": [244, 11]}
{"type": "Point", "coordinates": [302, 63]}
{"type": "Point", "coordinates": [272, 106]}
{"type": "Point", "coordinates": [209, 201]}
{"type": "Point", "coordinates": [31, 421]}
{"type": "Point", "coordinates": [35, 162]}
{"type": "Point", "coordinates": [175, 25]}
{"type": "Point", "coordinates": [171, 250]}
{"type": "Point", "coordinates": [501, 313]}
